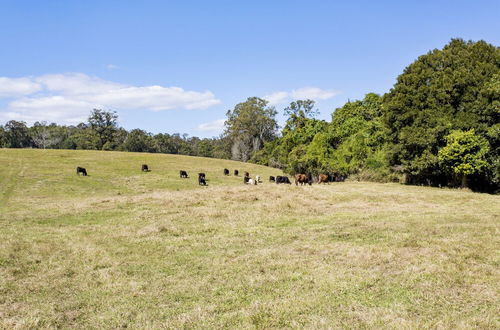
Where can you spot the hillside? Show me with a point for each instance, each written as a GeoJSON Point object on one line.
{"type": "Point", "coordinates": [124, 248]}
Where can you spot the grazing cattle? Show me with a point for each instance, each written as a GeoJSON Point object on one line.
{"type": "Point", "coordinates": [340, 178]}
{"type": "Point", "coordinates": [201, 179]}
{"type": "Point", "coordinates": [183, 174]}
{"type": "Point", "coordinates": [257, 179]}
{"type": "Point", "coordinates": [236, 172]}
{"type": "Point", "coordinates": [282, 179]}
{"type": "Point", "coordinates": [144, 168]}
{"type": "Point", "coordinates": [251, 181]}
{"type": "Point", "coordinates": [247, 174]}
{"type": "Point", "coordinates": [226, 171]}
{"type": "Point", "coordinates": [81, 170]}
{"type": "Point", "coordinates": [301, 178]}
{"type": "Point", "coordinates": [272, 179]}
{"type": "Point", "coordinates": [246, 178]}
{"type": "Point", "coordinates": [323, 178]}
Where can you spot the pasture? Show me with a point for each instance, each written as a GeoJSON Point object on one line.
{"type": "Point", "coordinates": [125, 248]}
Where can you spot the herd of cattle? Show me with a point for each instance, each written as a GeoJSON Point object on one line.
{"type": "Point", "coordinates": [301, 179]}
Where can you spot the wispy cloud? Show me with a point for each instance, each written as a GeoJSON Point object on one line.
{"type": "Point", "coordinates": [213, 126]}
{"type": "Point", "coordinates": [14, 87]}
{"type": "Point", "coordinates": [68, 98]}
{"type": "Point", "coordinates": [276, 98]}
{"type": "Point", "coordinates": [313, 93]}
{"type": "Point", "coordinates": [112, 67]}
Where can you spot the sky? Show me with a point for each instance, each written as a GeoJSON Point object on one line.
{"type": "Point", "coordinates": [179, 66]}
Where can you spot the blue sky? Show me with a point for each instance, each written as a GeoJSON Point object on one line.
{"type": "Point", "coordinates": [178, 66]}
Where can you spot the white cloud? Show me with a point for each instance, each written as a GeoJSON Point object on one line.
{"type": "Point", "coordinates": [13, 87]}
{"type": "Point", "coordinates": [213, 126]}
{"type": "Point", "coordinates": [276, 98]}
{"type": "Point", "coordinates": [313, 93]}
{"type": "Point", "coordinates": [69, 98]}
{"type": "Point", "coordinates": [112, 67]}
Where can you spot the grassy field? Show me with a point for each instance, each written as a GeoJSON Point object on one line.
{"type": "Point", "coordinates": [121, 248]}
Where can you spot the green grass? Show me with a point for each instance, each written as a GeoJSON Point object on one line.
{"type": "Point", "coordinates": [122, 248]}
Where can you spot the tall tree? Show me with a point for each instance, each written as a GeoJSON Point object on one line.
{"type": "Point", "coordinates": [298, 112]}
{"type": "Point", "coordinates": [443, 90]}
{"type": "Point", "coordinates": [464, 154]}
{"type": "Point", "coordinates": [104, 125]}
{"type": "Point", "coordinates": [249, 125]}
{"type": "Point", "coordinates": [17, 134]}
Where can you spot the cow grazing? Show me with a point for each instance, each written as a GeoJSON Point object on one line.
{"type": "Point", "coordinates": [81, 170]}
{"type": "Point", "coordinates": [323, 178]}
{"type": "Point", "coordinates": [236, 172]}
{"type": "Point", "coordinates": [246, 178]}
{"type": "Point", "coordinates": [257, 179]}
{"type": "Point", "coordinates": [303, 179]}
{"type": "Point", "coordinates": [251, 181]}
{"type": "Point", "coordinates": [282, 179]}
{"type": "Point", "coordinates": [272, 179]}
{"type": "Point", "coordinates": [183, 174]}
{"type": "Point", "coordinates": [226, 171]}
{"type": "Point", "coordinates": [144, 168]}
{"type": "Point", "coordinates": [247, 174]}
{"type": "Point", "coordinates": [201, 179]}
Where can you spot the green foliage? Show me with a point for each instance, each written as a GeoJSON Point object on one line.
{"type": "Point", "coordinates": [3, 139]}
{"type": "Point", "coordinates": [464, 154]}
{"type": "Point", "coordinates": [249, 125]}
{"type": "Point", "coordinates": [138, 141]}
{"type": "Point", "coordinates": [454, 88]}
{"type": "Point", "coordinates": [104, 125]}
{"type": "Point", "coordinates": [16, 135]}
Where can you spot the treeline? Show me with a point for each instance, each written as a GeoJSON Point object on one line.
{"type": "Point", "coordinates": [439, 125]}
{"type": "Point", "coordinates": [102, 132]}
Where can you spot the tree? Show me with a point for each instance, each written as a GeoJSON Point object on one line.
{"type": "Point", "coordinates": [104, 125]}
{"type": "Point", "coordinates": [138, 141]}
{"type": "Point", "coordinates": [3, 139]}
{"type": "Point", "coordinates": [42, 135]}
{"type": "Point", "coordinates": [449, 89]}
{"type": "Point", "coordinates": [299, 111]}
{"type": "Point", "coordinates": [249, 125]}
{"type": "Point", "coordinates": [464, 154]}
{"type": "Point", "coordinates": [17, 135]}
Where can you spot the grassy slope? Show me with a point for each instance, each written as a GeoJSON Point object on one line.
{"type": "Point", "coordinates": [122, 247]}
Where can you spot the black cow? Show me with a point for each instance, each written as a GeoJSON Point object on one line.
{"type": "Point", "coordinates": [272, 179]}
{"type": "Point", "coordinates": [226, 171]}
{"type": "Point", "coordinates": [236, 172]}
{"type": "Point", "coordinates": [201, 179]}
{"type": "Point", "coordinates": [183, 174]}
{"type": "Point", "coordinates": [247, 174]}
{"type": "Point", "coordinates": [81, 170]}
{"type": "Point", "coordinates": [144, 168]}
{"type": "Point", "coordinates": [246, 178]}
{"type": "Point", "coordinates": [282, 179]}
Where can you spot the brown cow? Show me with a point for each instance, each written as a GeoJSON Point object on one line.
{"type": "Point", "coordinates": [302, 179]}
{"type": "Point", "coordinates": [323, 178]}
